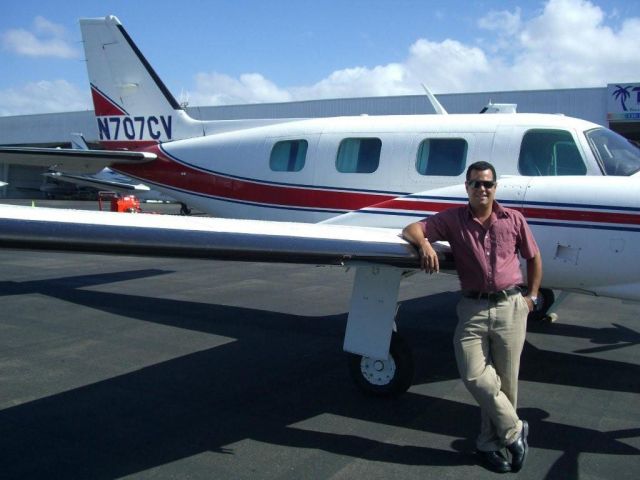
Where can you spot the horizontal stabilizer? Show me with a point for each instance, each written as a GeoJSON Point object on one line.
{"type": "Point", "coordinates": [99, 183]}
{"type": "Point", "coordinates": [71, 160]}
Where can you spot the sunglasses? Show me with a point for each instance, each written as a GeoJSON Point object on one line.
{"type": "Point", "coordinates": [481, 183]}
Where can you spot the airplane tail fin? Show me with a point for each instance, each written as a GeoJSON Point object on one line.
{"type": "Point", "coordinates": [132, 105]}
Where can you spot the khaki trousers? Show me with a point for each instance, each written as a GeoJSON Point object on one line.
{"type": "Point", "coordinates": [488, 342]}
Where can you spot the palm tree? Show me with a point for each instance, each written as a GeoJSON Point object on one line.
{"type": "Point", "coordinates": [623, 94]}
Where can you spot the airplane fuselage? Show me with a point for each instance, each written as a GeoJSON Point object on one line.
{"type": "Point", "coordinates": [234, 174]}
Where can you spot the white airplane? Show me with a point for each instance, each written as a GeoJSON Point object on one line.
{"type": "Point", "coordinates": [363, 177]}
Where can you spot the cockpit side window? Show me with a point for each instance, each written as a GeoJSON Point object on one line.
{"type": "Point", "coordinates": [550, 153]}
{"type": "Point", "coordinates": [616, 155]}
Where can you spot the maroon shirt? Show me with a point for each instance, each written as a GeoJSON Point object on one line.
{"type": "Point", "coordinates": [486, 260]}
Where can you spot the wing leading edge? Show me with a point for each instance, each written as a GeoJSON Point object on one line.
{"type": "Point", "coordinates": [211, 238]}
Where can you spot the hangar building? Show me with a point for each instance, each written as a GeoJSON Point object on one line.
{"type": "Point", "coordinates": [616, 106]}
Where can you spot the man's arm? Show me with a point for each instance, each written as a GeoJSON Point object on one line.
{"type": "Point", "coordinates": [428, 257]}
{"type": "Point", "coordinates": [534, 278]}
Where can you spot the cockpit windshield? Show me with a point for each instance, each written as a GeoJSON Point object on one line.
{"type": "Point", "coordinates": [616, 155]}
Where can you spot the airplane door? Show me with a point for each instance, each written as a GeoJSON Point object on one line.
{"type": "Point", "coordinates": [506, 149]}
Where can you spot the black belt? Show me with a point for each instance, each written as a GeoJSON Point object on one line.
{"type": "Point", "coordinates": [493, 296]}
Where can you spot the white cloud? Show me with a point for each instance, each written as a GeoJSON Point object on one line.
{"type": "Point", "coordinates": [219, 89]}
{"type": "Point", "coordinates": [358, 82]}
{"type": "Point", "coordinates": [567, 44]}
{"type": "Point", "coordinates": [44, 96]}
{"type": "Point", "coordinates": [571, 46]}
{"type": "Point", "coordinates": [46, 27]}
{"type": "Point", "coordinates": [502, 21]}
{"type": "Point", "coordinates": [49, 40]}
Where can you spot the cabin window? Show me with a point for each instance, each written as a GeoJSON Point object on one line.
{"type": "Point", "coordinates": [442, 156]}
{"type": "Point", "coordinates": [288, 156]}
{"type": "Point", "coordinates": [359, 155]}
{"type": "Point", "coordinates": [550, 153]}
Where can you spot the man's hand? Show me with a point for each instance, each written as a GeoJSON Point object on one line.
{"type": "Point", "coordinates": [428, 258]}
{"type": "Point", "coordinates": [530, 304]}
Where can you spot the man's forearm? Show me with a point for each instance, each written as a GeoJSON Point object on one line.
{"type": "Point", "coordinates": [414, 234]}
{"type": "Point", "coordinates": [428, 256]}
{"type": "Point", "coordinates": [534, 275]}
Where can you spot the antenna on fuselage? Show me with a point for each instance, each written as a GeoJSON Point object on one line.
{"type": "Point", "coordinates": [437, 106]}
{"type": "Point", "coordinates": [500, 108]}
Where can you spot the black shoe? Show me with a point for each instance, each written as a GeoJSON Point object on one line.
{"type": "Point", "coordinates": [519, 448]}
{"type": "Point", "coordinates": [495, 461]}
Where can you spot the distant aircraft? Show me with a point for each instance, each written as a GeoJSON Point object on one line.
{"type": "Point", "coordinates": [107, 179]}
{"type": "Point", "coordinates": [576, 182]}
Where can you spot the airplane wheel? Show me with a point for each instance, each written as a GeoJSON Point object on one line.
{"type": "Point", "coordinates": [384, 378]}
{"type": "Point", "coordinates": [184, 209]}
{"type": "Point", "coordinates": [547, 297]}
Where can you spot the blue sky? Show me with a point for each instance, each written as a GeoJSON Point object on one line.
{"type": "Point", "coordinates": [214, 52]}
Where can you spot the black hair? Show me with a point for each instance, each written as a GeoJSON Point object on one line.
{"type": "Point", "coordinates": [481, 166]}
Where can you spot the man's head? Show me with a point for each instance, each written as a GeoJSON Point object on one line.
{"type": "Point", "coordinates": [481, 166]}
{"type": "Point", "coordinates": [481, 185]}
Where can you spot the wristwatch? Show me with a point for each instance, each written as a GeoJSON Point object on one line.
{"type": "Point", "coordinates": [535, 301]}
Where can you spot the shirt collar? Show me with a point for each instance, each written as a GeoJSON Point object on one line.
{"type": "Point", "coordinates": [499, 211]}
{"type": "Point", "coordinates": [496, 209]}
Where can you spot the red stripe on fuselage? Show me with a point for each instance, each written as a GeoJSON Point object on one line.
{"type": "Point", "coordinates": [416, 206]}
{"type": "Point", "coordinates": [581, 216]}
{"type": "Point", "coordinates": [165, 171]}
{"type": "Point", "coordinates": [531, 213]}
{"type": "Point", "coordinates": [132, 145]}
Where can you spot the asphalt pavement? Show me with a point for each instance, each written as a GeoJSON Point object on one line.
{"type": "Point", "coordinates": [126, 367]}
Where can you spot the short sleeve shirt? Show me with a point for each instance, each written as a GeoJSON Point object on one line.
{"type": "Point", "coordinates": [486, 259]}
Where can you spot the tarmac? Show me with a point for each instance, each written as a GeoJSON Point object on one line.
{"type": "Point", "coordinates": [147, 368]}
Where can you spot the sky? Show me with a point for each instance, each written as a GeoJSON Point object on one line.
{"type": "Point", "coordinates": [249, 51]}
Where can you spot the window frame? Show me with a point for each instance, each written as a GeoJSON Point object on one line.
{"type": "Point", "coordinates": [426, 173]}
{"type": "Point", "coordinates": [298, 141]}
{"type": "Point", "coordinates": [340, 155]}
{"type": "Point", "coordinates": [552, 153]}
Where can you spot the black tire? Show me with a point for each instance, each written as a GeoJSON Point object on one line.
{"type": "Point", "coordinates": [546, 298]}
{"type": "Point", "coordinates": [184, 209]}
{"type": "Point", "coordinates": [387, 378]}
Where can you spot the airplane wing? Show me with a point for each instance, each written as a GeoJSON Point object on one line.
{"type": "Point", "coordinates": [214, 238]}
{"type": "Point", "coordinates": [100, 183]}
{"type": "Point", "coordinates": [71, 160]}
